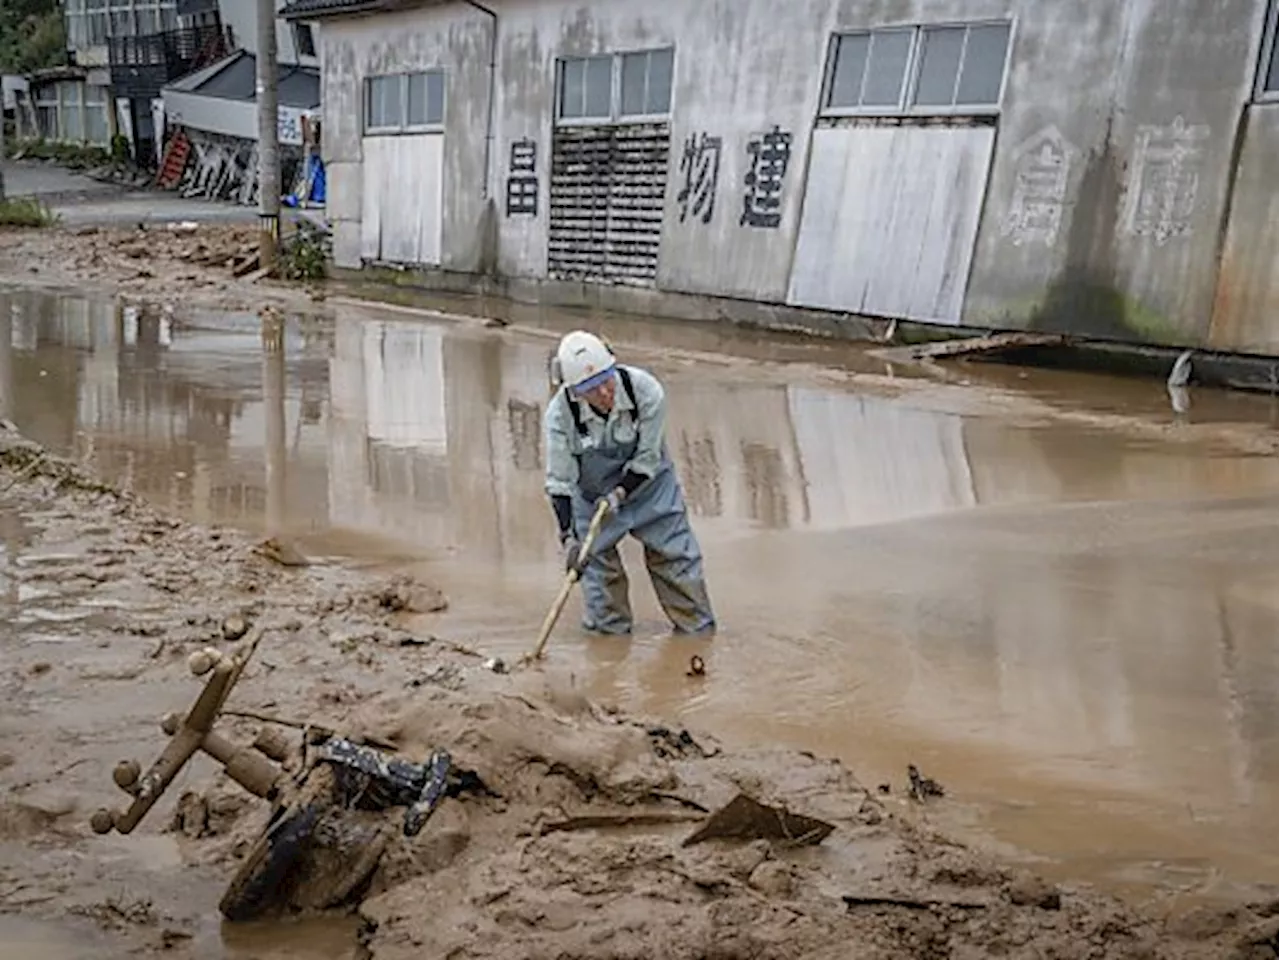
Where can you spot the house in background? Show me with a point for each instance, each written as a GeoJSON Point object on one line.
{"type": "Point", "coordinates": [124, 54]}
{"type": "Point", "coordinates": [214, 109]}
{"type": "Point", "coordinates": [120, 53]}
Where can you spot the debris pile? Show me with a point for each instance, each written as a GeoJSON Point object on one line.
{"type": "Point", "coordinates": [181, 263]}
{"type": "Point", "coordinates": [134, 252]}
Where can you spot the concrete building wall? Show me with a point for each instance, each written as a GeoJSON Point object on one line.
{"type": "Point", "coordinates": [1246, 306]}
{"type": "Point", "coordinates": [454, 39]}
{"type": "Point", "coordinates": [768, 67]}
{"type": "Point", "coordinates": [1104, 209]}
{"type": "Point", "coordinates": [1110, 186]}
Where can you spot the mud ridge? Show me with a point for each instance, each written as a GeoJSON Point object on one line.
{"type": "Point", "coordinates": [575, 846]}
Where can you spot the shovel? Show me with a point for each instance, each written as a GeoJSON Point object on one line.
{"type": "Point", "coordinates": [570, 578]}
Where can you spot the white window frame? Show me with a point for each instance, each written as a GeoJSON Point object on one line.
{"type": "Point", "coordinates": [615, 117]}
{"type": "Point", "coordinates": [403, 127]}
{"type": "Point", "coordinates": [619, 116]}
{"type": "Point", "coordinates": [614, 93]}
{"type": "Point", "coordinates": [301, 29]}
{"type": "Point", "coordinates": [915, 59]}
{"type": "Point", "coordinates": [1267, 51]}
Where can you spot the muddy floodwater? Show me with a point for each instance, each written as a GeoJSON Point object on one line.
{"type": "Point", "coordinates": [1049, 591]}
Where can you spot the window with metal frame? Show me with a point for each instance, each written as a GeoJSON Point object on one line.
{"type": "Point", "coordinates": [404, 102]}
{"type": "Point", "coordinates": [1265, 87]}
{"type": "Point", "coordinates": [921, 70]}
{"type": "Point", "coordinates": [615, 88]}
{"type": "Point", "coordinates": [95, 115]}
{"type": "Point", "coordinates": [304, 40]}
{"type": "Point", "coordinates": [646, 83]}
{"type": "Point", "coordinates": [92, 22]}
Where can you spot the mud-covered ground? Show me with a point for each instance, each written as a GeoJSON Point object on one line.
{"type": "Point", "coordinates": [104, 600]}
{"type": "Point", "coordinates": [115, 597]}
{"type": "Point", "coordinates": [187, 264]}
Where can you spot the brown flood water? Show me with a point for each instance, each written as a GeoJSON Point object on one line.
{"type": "Point", "coordinates": [1073, 626]}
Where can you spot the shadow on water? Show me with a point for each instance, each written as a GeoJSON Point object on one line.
{"type": "Point", "coordinates": [1073, 628]}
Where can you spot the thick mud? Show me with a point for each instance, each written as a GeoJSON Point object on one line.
{"type": "Point", "coordinates": [106, 598]}
{"type": "Point", "coordinates": [1051, 591]}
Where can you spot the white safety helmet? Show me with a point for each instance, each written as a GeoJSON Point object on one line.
{"type": "Point", "coordinates": [584, 360]}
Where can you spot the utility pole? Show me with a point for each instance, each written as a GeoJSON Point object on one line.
{"type": "Point", "coordinates": [268, 137]}
{"type": "Point", "coordinates": [15, 113]}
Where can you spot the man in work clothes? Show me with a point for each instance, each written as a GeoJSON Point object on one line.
{"type": "Point", "coordinates": [605, 441]}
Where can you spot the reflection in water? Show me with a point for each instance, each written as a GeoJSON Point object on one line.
{"type": "Point", "coordinates": [273, 386]}
{"type": "Point", "coordinates": [873, 460]}
{"type": "Point", "coordinates": [1031, 611]}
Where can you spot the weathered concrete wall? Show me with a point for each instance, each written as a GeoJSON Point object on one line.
{"type": "Point", "coordinates": [742, 70]}
{"type": "Point", "coordinates": [1111, 180]}
{"type": "Point", "coordinates": [1104, 211]}
{"type": "Point", "coordinates": [726, 52]}
{"type": "Point", "coordinates": [1244, 312]}
{"type": "Point", "coordinates": [1056, 102]}
{"type": "Point", "coordinates": [455, 39]}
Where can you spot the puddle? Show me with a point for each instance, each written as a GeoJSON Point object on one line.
{"type": "Point", "coordinates": [22, 939]}
{"type": "Point", "coordinates": [25, 939]}
{"type": "Point", "coordinates": [1072, 627]}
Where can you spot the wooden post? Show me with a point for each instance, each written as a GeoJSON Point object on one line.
{"type": "Point", "coordinates": [268, 137]}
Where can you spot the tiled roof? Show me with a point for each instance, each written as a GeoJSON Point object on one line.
{"type": "Point", "coordinates": [317, 9]}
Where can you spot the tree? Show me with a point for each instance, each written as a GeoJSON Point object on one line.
{"type": "Point", "coordinates": [32, 35]}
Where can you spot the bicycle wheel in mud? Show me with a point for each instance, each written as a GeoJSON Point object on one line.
{"type": "Point", "coordinates": [261, 885]}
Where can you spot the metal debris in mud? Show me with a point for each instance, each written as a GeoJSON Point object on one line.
{"type": "Point", "coordinates": [745, 818]}
{"type": "Point", "coordinates": [670, 745]}
{"type": "Point", "coordinates": [320, 837]}
{"type": "Point", "coordinates": [920, 787]}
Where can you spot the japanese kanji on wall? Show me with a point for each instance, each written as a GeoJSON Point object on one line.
{"type": "Point", "coordinates": [700, 173]}
{"type": "Point", "coordinates": [763, 183]}
{"type": "Point", "coordinates": [522, 178]}
{"type": "Point", "coordinates": [769, 157]}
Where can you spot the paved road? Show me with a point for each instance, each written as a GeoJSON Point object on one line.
{"type": "Point", "coordinates": [26, 178]}
{"type": "Point", "coordinates": [80, 200]}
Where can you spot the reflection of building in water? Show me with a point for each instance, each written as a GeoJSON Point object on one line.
{"type": "Point", "coordinates": [436, 438]}
{"type": "Point", "coordinates": [735, 449]}
{"type": "Point", "coordinates": [1246, 672]}
{"type": "Point", "coordinates": [868, 460]}
{"type": "Point", "coordinates": [388, 439]}
{"type": "Point", "coordinates": [528, 528]}
{"type": "Point", "coordinates": [175, 418]}
{"type": "Point", "coordinates": [788, 457]}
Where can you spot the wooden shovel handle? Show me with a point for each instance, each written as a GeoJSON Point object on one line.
{"type": "Point", "coordinates": [572, 577]}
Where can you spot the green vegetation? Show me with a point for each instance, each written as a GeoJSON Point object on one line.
{"type": "Point", "coordinates": [75, 156]}
{"type": "Point", "coordinates": [26, 212]}
{"type": "Point", "coordinates": [32, 35]}
{"type": "Point", "coordinates": [303, 255]}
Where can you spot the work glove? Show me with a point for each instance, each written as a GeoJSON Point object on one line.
{"type": "Point", "coordinates": [572, 546]}
{"type": "Point", "coordinates": [614, 499]}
